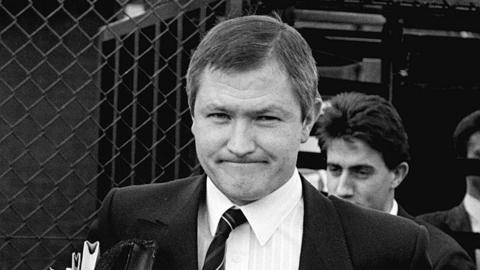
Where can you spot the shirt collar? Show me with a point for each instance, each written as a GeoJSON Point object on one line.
{"type": "Point", "coordinates": [472, 206]}
{"type": "Point", "coordinates": [394, 210]}
{"type": "Point", "coordinates": [277, 204]}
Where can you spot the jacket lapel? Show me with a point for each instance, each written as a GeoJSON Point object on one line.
{"type": "Point", "coordinates": [176, 232]}
{"type": "Point", "coordinates": [323, 243]}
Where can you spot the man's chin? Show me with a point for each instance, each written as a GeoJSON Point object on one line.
{"type": "Point", "coordinates": [241, 200]}
{"type": "Point", "coordinates": [241, 195]}
{"type": "Point", "coordinates": [241, 180]}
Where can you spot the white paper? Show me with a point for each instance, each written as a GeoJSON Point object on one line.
{"type": "Point", "coordinates": [76, 260]}
{"type": "Point", "coordinates": [90, 255]}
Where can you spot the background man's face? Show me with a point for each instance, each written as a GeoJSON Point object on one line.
{"type": "Point", "coordinates": [248, 129]}
{"type": "Point", "coordinates": [473, 151]}
{"type": "Point", "coordinates": [357, 173]}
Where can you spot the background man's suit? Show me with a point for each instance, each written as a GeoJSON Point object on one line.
{"type": "Point", "coordinates": [444, 251]}
{"type": "Point", "coordinates": [456, 223]}
{"type": "Point", "coordinates": [334, 235]}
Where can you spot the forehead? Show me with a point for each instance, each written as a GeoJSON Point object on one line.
{"type": "Point", "coordinates": [353, 153]}
{"type": "Point", "coordinates": [265, 86]}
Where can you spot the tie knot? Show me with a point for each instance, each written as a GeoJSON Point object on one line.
{"type": "Point", "coordinates": [230, 220]}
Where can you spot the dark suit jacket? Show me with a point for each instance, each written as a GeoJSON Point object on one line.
{"type": "Point", "coordinates": [455, 219]}
{"type": "Point", "coordinates": [337, 235]}
{"type": "Point", "coordinates": [445, 253]}
{"type": "Point", "coordinates": [456, 223]}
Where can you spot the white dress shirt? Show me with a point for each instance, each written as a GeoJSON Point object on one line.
{"type": "Point", "coordinates": [472, 206]}
{"type": "Point", "coordinates": [272, 236]}
{"type": "Point", "coordinates": [394, 210]}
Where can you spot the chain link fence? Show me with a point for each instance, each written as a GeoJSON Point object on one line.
{"type": "Point", "coordinates": [91, 98]}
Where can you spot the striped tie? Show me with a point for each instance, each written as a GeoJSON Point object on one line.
{"type": "Point", "coordinates": [215, 258]}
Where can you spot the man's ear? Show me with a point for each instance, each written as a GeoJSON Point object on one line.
{"type": "Point", "coordinates": [310, 119]}
{"type": "Point", "coordinates": [400, 172]}
{"type": "Point", "coordinates": [192, 127]}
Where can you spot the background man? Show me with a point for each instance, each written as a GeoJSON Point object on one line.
{"type": "Point", "coordinates": [367, 151]}
{"type": "Point", "coordinates": [252, 90]}
{"type": "Point", "coordinates": [463, 221]}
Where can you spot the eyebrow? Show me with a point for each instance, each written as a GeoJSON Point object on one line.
{"type": "Point", "coordinates": [263, 110]}
{"type": "Point", "coordinates": [354, 167]}
{"type": "Point", "coordinates": [362, 166]}
{"type": "Point", "coordinates": [273, 108]}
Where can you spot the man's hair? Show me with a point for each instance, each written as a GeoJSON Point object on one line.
{"type": "Point", "coordinates": [465, 128]}
{"type": "Point", "coordinates": [368, 118]}
{"type": "Point", "coordinates": [247, 43]}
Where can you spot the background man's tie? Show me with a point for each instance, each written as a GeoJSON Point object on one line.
{"type": "Point", "coordinates": [215, 258]}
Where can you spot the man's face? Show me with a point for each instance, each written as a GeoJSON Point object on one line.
{"type": "Point", "coordinates": [248, 129]}
{"type": "Point", "coordinates": [357, 173]}
{"type": "Point", "coordinates": [473, 151]}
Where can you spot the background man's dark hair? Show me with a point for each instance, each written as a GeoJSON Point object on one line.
{"type": "Point", "coordinates": [368, 118]}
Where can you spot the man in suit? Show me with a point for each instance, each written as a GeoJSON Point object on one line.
{"type": "Point", "coordinates": [462, 222]}
{"type": "Point", "coordinates": [252, 91]}
{"type": "Point", "coordinates": [367, 153]}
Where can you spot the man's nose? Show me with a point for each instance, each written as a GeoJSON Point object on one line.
{"type": "Point", "coordinates": [345, 186]}
{"type": "Point", "coordinates": [241, 140]}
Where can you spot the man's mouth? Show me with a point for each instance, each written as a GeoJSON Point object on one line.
{"type": "Point", "coordinates": [246, 162]}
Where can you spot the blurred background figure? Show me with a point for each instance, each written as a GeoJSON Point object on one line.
{"type": "Point", "coordinates": [317, 178]}
{"type": "Point", "coordinates": [367, 156]}
{"type": "Point", "coordinates": [462, 222]}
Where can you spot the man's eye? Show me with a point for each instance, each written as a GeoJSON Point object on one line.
{"type": "Point", "coordinates": [334, 170]}
{"type": "Point", "coordinates": [363, 173]}
{"type": "Point", "coordinates": [219, 116]}
{"type": "Point", "coordinates": [267, 118]}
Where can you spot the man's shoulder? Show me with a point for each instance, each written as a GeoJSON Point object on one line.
{"type": "Point", "coordinates": [445, 219]}
{"type": "Point", "coordinates": [363, 225]}
{"type": "Point", "coordinates": [435, 216]}
{"type": "Point", "coordinates": [141, 199]}
{"type": "Point", "coordinates": [444, 251]}
{"type": "Point", "coordinates": [368, 231]}
{"type": "Point", "coordinates": [125, 204]}
{"type": "Point", "coordinates": [123, 207]}
{"type": "Point", "coordinates": [358, 215]}
{"type": "Point", "coordinates": [156, 188]}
